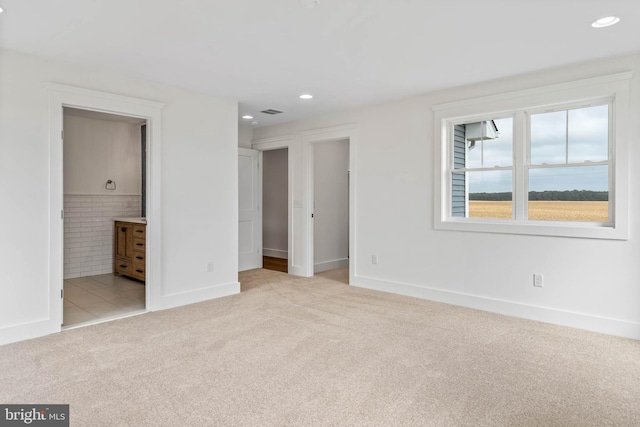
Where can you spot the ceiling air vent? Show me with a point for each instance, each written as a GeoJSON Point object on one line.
{"type": "Point", "coordinates": [271, 111]}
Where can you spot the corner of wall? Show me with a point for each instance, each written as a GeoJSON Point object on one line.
{"type": "Point", "coordinates": [245, 135]}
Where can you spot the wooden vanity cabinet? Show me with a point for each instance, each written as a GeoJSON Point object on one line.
{"type": "Point", "coordinates": [129, 249]}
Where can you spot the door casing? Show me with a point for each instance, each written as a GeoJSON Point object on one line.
{"type": "Point", "coordinates": [309, 138]}
{"type": "Point", "coordinates": [61, 96]}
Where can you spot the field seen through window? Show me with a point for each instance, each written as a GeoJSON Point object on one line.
{"type": "Point", "coordinates": [550, 210]}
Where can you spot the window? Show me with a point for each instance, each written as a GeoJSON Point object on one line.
{"type": "Point", "coordinates": [536, 162]}
{"type": "Point", "coordinates": [569, 165]}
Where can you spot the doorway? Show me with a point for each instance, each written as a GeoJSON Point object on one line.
{"type": "Point", "coordinates": [104, 162]}
{"type": "Point", "coordinates": [310, 141]}
{"type": "Point", "coordinates": [61, 97]}
{"type": "Point", "coordinates": [275, 203]}
{"type": "Point", "coordinates": [331, 209]}
{"type": "Point", "coordinates": [301, 185]}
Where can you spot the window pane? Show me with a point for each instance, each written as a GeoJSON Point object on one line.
{"type": "Point", "coordinates": [549, 138]}
{"type": "Point", "coordinates": [578, 193]}
{"type": "Point", "coordinates": [588, 134]}
{"type": "Point", "coordinates": [484, 144]}
{"type": "Point", "coordinates": [499, 151]}
{"type": "Point", "coordinates": [489, 194]}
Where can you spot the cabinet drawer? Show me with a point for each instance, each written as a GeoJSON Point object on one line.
{"type": "Point", "coordinates": [139, 245]}
{"type": "Point", "coordinates": [123, 267]}
{"type": "Point", "coordinates": [140, 231]}
{"type": "Point", "coordinates": [138, 271]}
{"type": "Point", "coordinates": [139, 258]}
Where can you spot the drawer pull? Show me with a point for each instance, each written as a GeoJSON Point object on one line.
{"type": "Point", "coordinates": [139, 231]}
{"type": "Point", "coordinates": [139, 257]}
{"type": "Point", "coordinates": [123, 266]}
{"type": "Point", "coordinates": [139, 271]}
{"type": "Point", "coordinates": [139, 244]}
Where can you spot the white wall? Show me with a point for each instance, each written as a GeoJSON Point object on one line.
{"type": "Point", "coordinates": [589, 283]}
{"type": "Point", "coordinates": [331, 208]}
{"type": "Point", "coordinates": [245, 134]}
{"type": "Point", "coordinates": [98, 150]}
{"type": "Point", "coordinates": [274, 202]}
{"type": "Point", "coordinates": [199, 189]}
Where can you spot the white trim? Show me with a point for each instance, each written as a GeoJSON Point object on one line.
{"type": "Point", "coordinates": [198, 295]}
{"type": "Point", "coordinates": [603, 325]}
{"type": "Point", "coordinates": [349, 132]}
{"type": "Point", "coordinates": [330, 133]}
{"type": "Point", "coordinates": [273, 143]}
{"type": "Point", "coordinates": [277, 143]}
{"type": "Point", "coordinates": [615, 86]}
{"type": "Point", "coordinates": [275, 253]}
{"type": "Point", "coordinates": [108, 98]}
{"type": "Point", "coordinates": [68, 96]}
{"type": "Point", "coordinates": [102, 195]}
{"type": "Point", "coordinates": [610, 78]}
{"type": "Point", "coordinates": [25, 331]}
{"type": "Point", "coordinates": [330, 265]}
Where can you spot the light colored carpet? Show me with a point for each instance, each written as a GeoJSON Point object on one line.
{"type": "Point", "coordinates": [306, 352]}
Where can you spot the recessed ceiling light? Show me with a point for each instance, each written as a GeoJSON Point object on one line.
{"type": "Point", "coordinates": [607, 21]}
{"type": "Point", "coordinates": [247, 117]}
{"type": "Point", "coordinates": [254, 123]}
{"type": "Point", "coordinates": [306, 96]}
{"type": "Point", "coordinates": [1, 10]}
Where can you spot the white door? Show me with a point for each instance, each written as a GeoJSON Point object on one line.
{"type": "Point", "coordinates": [250, 217]}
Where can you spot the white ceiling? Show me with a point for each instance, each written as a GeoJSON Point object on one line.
{"type": "Point", "coordinates": [347, 53]}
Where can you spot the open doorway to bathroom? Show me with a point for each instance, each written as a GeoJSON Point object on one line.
{"type": "Point", "coordinates": [104, 164]}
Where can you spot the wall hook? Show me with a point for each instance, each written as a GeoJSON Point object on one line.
{"type": "Point", "coordinates": [110, 185]}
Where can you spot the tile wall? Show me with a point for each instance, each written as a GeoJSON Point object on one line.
{"type": "Point", "coordinates": [88, 231]}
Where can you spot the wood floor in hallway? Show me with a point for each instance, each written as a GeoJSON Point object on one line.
{"type": "Point", "coordinates": [276, 264]}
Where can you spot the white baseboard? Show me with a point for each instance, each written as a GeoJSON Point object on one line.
{"type": "Point", "coordinates": [297, 271]}
{"type": "Point", "coordinates": [275, 253]}
{"type": "Point", "coordinates": [589, 322]}
{"type": "Point", "coordinates": [198, 295]}
{"type": "Point", "coordinates": [330, 265]}
{"type": "Point", "coordinates": [27, 331]}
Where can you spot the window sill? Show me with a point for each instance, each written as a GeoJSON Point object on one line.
{"type": "Point", "coordinates": [535, 228]}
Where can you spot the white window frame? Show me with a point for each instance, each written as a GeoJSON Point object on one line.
{"type": "Point", "coordinates": [520, 104]}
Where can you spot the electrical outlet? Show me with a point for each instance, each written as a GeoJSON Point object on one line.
{"type": "Point", "coordinates": [374, 259]}
{"type": "Point", "coordinates": [210, 267]}
{"type": "Point", "coordinates": [537, 280]}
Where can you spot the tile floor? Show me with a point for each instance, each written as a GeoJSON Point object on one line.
{"type": "Point", "coordinates": [87, 299]}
